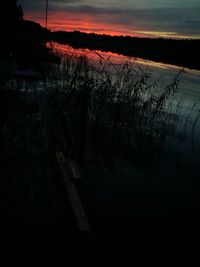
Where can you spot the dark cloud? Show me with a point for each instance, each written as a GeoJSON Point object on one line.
{"type": "Point", "coordinates": [163, 19]}
{"type": "Point", "coordinates": [193, 22]}
{"type": "Point", "coordinates": [38, 5]}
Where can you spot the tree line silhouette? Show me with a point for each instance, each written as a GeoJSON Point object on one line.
{"type": "Point", "coordinates": [22, 41]}
{"type": "Point", "coordinates": [10, 17]}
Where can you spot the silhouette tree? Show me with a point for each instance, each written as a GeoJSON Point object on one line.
{"type": "Point", "coordinates": [20, 14]}
{"type": "Point", "coordinates": [11, 14]}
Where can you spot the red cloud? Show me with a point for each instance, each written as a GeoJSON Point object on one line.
{"type": "Point", "coordinates": [64, 21]}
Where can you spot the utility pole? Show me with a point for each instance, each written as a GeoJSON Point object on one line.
{"type": "Point", "coordinates": [46, 13]}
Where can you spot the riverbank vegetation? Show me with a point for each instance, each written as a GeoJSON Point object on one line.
{"type": "Point", "coordinates": [116, 111]}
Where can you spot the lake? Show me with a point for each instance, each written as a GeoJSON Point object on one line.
{"type": "Point", "coordinates": [189, 87]}
{"type": "Point", "coordinates": [152, 206]}
{"type": "Point", "coordinates": [189, 93]}
{"type": "Point", "coordinates": [190, 79]}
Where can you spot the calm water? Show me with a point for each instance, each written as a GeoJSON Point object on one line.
{"type": "Point", "coordinates": [149, 208]}
{"type": "Point", "coordinates": [189, 87]}
{"type": "Point", "coordinates": [189, 82]}
{"type": "Point", "coordinates": [129, 191]}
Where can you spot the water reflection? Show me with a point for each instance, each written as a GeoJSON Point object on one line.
{"type": "Point", "coordinates": [189, 80]}
{"type": "Point", "coordinates": [118, 59]}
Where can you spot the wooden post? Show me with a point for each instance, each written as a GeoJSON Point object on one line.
{"type": "Point", "coordinates": [74, 198]}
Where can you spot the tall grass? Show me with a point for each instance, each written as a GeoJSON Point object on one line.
{"type": "Point", "coordinates": [115, 111]}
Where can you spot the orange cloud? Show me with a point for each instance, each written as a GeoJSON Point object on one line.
{"type": "Point", "coordinates": [71, 21]}
{"type": "Point", "coordinates": [65, 21]}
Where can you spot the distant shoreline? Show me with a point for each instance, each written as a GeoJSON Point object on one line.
{"type": "Point", "coordinates": [183, 53]}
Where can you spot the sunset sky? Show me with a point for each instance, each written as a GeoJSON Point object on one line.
{"type": "Point", "coordinates": [152, 18]}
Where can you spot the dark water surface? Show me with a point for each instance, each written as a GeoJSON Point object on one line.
{"type": "Point", "coordinates": [148, 215]}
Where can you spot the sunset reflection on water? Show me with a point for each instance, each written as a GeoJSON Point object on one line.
{"type": "Point", "coordinates": [115, 58]}
{"type": "Point", "coordinates": [189, 80]}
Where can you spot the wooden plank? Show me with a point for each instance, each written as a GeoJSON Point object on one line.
{"type": "Point", "coordinates": [74, 169]}
{"type": "Point", "coordinates": [74, 198]}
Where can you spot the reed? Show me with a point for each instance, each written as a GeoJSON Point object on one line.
{"type": "Point", "coordinates": [117, 111]}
